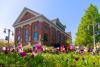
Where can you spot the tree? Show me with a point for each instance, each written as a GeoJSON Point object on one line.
{"type": "Point", "coordinates": [84, 35]}
{"type": "Point", "coordinates": [98, 30]}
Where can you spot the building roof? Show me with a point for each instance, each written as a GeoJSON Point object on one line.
{"type": "Point", "coordinates": [57, 22]}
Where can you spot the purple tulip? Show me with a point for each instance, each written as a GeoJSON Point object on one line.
{"type": "Point", "coordinates": [23, 54]}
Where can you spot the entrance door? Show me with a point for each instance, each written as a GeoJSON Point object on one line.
{"type": "Point", "coordinates": [45, 39]}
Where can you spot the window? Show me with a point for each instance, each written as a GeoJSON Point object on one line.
{"type": "Point", "coordinates": [58, 37]}
{"type": "Point", "coordinates": [35, 36]}
{"type": "Point", "coordinates": [26, 35]}
{"type": "Point", "coordinates": [53, 36]}
{"type": "Point", "coordinates": [36, 26]}
{"type": "Point", "coordinates": [63, 38]}
{"type": "Point", "coordinates": [18, 36]}
{"type": "Point", "coordinates": [46, 27]}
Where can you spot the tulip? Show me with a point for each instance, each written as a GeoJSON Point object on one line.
{"type": "Point", "coordinates": [23, 54]}
{"type": "Point", "coordinates": [77, 58]}
{"type": "Point", "coordinates": [66, 60]}
{"type": "Point", "coordinates": [83, 58]}
{"type": "Point", "coordinates": [93, 63]}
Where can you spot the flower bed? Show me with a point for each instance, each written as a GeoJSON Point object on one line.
{"type": "Point", "coordinates": [50, 60]}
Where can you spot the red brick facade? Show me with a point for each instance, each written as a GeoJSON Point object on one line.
{"type": "Point", "coordinates": [39, 30]}
{"type": "Point", "coordinates": [51, 32]}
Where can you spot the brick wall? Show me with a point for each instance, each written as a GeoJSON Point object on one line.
{"type": "Point", "coordinates": [41, 31]}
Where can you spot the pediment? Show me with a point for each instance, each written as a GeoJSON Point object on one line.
{"type": "Point", "coordinates": [25, 15]}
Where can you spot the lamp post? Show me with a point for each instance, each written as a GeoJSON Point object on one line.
{"type": "Point", "coordinates": [8, 37]}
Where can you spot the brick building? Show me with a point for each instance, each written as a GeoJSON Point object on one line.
{"type": "Point", "coordinates": [31, 27]}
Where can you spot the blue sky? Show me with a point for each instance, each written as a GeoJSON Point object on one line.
{"type": "Point", "coordinates": [68, 11]}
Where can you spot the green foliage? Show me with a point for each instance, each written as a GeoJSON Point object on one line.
{"type": "Point", "coordinates": [67, 41]}
{"type": "Point", "coordinates": [47, 49]}
{"type": "Point", "coordinates": [98, 29]}
{"type": "Point", "coordinates": [35, 62]}
{"type": "Point", "coordinates": [50, 60]}
{"type": "Point", "coordinates": [84, 33]}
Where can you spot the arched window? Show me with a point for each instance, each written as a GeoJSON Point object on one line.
{"type": "Point", "coordinates": [35, 36]}
{"type": "Point", "coordinates": [26, 35]}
